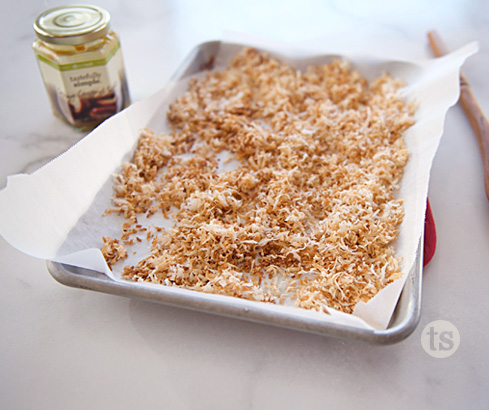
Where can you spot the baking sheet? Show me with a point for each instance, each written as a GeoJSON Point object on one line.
{"type": "Point", "coordinates": [55, 213]}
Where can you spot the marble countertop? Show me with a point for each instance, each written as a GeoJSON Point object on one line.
{"type": "Point", "coordinates": [64, 348]}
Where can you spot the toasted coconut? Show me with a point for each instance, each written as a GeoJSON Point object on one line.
{"type": "Point", "coordinates": [308, 216]}
{"type": "Point", "coordinates": [113, 251]}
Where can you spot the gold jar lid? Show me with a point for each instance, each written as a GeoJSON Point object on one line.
{"type": "Point", "coordinates": [70, 25]}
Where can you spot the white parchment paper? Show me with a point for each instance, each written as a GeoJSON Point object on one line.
{"type": "Point", "coordinates": [56, 212]}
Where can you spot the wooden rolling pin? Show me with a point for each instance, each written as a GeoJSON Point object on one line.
{"type": "Point", "coordinates": [479, 123]}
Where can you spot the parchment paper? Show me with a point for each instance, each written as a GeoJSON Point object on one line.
{"type": "Point", "coordinates": [55, 212]}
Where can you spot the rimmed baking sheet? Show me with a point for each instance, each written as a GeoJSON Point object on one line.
{"type": "Point", "coordinates": [76, 263]}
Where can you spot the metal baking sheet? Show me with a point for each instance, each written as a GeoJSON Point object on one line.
{"type": "Point", "coordinates": [402, 324]}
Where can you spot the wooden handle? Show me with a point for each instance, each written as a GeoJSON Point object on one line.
{"type": "Point", "coordinates": [479, 123]}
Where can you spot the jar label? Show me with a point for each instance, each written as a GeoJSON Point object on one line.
{"type": "Point", "coordinates": [87, 92]}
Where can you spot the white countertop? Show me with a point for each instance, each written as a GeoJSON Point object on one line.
{"type": "Point", "coordinates": [64, 348]}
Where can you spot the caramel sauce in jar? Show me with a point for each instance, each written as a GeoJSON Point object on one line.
{"type": "Point", "coordinates": [81, 63]}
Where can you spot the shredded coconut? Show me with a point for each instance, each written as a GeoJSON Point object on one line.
{"type": "Point", "coordinates": [309, 214]}
{"type": "Point", "coordinates": [113, 250]}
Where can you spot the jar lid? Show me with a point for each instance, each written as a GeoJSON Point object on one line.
{"type": "Point", "coordinates": [69, 25]}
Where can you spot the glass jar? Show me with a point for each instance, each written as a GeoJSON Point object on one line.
{"type": "Point", "coordinates": [81, 63]}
